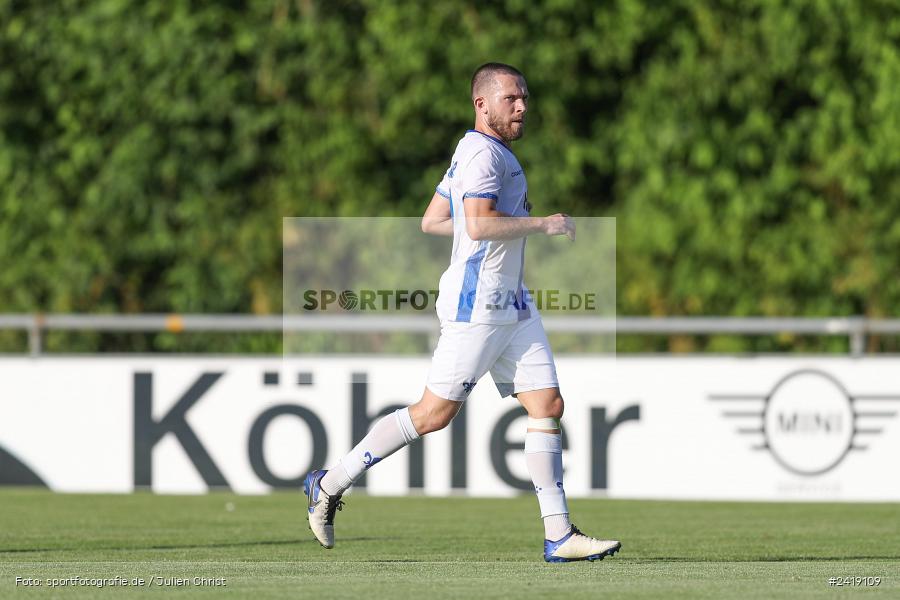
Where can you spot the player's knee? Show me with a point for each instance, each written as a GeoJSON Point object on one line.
{"type": "Point", "coordinates": [442, 420]}
{"type": "Point", "coordinates": [556, 408]}
{"type": "Point", "coordinates": [435, 422]}
{"type": "Point", "coordinates": [431, 418]}
{"type": "Point", "coordinates": [551, 408]}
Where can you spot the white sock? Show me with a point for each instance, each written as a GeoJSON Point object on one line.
{"type": "Point", "coordinates": [543, 455]}
{"type": "Point", "coordinates": [389, 434]}
{"type": "Point", "coordinates": [336, 480]}
{"type": "Point", "coordinates": [556, 527]}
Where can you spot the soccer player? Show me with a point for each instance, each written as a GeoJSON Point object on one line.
{"type": "Point", "coordinates": [487, 320]}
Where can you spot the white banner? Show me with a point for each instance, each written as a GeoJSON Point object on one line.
{"type": "Point", "coordinates": [776, 428]}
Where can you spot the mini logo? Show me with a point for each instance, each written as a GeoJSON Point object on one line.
{"type": "Point", "coordinates": [809, 422]}
{"type": "Point", "coordinates": [348, 300]}
{"type": "Point", "coordinates": [516, 173]}
{"type": "Point", "coordinates": [369, 460]}
{"type": "Point", "coordinates": [468, 385]}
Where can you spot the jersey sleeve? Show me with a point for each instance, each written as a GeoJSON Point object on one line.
{"type": "Point", "coordinates": [482, 177]}
{"type": "Point", "coordinates": [443, 188]}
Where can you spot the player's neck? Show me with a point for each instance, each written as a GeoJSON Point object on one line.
{"type": "Point", "coordinates": [483, 128]}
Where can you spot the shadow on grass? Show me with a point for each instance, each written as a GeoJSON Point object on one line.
{"type": "Point", "coordinates": [186, 546]}
{"type": "Point", "coordinates": [755, 559]}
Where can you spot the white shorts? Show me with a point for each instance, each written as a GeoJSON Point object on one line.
{"type": "Point", "coordinates": [517, 355]}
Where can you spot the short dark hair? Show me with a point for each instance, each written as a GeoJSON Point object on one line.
{"type": "Point", "coordinates": [487, 71]}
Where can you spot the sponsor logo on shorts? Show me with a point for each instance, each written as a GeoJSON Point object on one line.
{"type": "Point", "coordinates": [468, 385]}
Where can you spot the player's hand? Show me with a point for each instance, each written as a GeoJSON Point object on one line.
{"type": "Point", "coordinates": [560, 224]}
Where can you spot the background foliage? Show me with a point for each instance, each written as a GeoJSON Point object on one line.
{"type": "Point", "coordinates": [749, 149]}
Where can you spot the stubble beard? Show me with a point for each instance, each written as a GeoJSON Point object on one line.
{"type": "Point", "coordinates": [506, 129]}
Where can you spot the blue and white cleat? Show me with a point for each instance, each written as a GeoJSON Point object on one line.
{"type": "Point", "coordinates": [577, 546]}
{"type": "Point", "coordinates": [321, 508]}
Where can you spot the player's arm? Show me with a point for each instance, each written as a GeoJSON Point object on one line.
{"type": "Point", "coordinates": [436, 219]}
{"type": "Point", "coordinates": [485, 222]}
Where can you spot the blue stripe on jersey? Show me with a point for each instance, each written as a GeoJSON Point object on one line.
{"type": "Point", "coordinates": [524, 311]}
{"type": "Point", "coordinates": [470, 284]}
{"type": "Point", "coordinates": [480, 195]}
{"type": "Point", "coordinates": [442, 192]}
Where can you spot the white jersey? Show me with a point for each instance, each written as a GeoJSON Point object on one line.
{"type": "Point", "coordinates": [484, 282]}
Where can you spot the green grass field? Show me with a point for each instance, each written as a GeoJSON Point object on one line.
{"type": "Point", "coordinates": [441, 548]}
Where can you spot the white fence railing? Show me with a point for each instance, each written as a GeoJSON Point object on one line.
{"type": "Point", "coordinates": [855, 328]}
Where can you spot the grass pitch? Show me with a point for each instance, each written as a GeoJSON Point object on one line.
{"type": "Point", "coordinates": [439, 548]}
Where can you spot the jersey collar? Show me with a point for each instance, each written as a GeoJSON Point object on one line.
{"type": "Point", "coordinates": [490, 137]}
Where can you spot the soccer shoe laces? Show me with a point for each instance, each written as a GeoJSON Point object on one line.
{"type": "Point", "coordinates": [575, 531]}
{"type": "Point", "coordinates": [332, 504]}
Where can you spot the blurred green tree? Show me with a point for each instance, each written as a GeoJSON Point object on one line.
{"type": "Point", "coordinates": [750, 150]}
